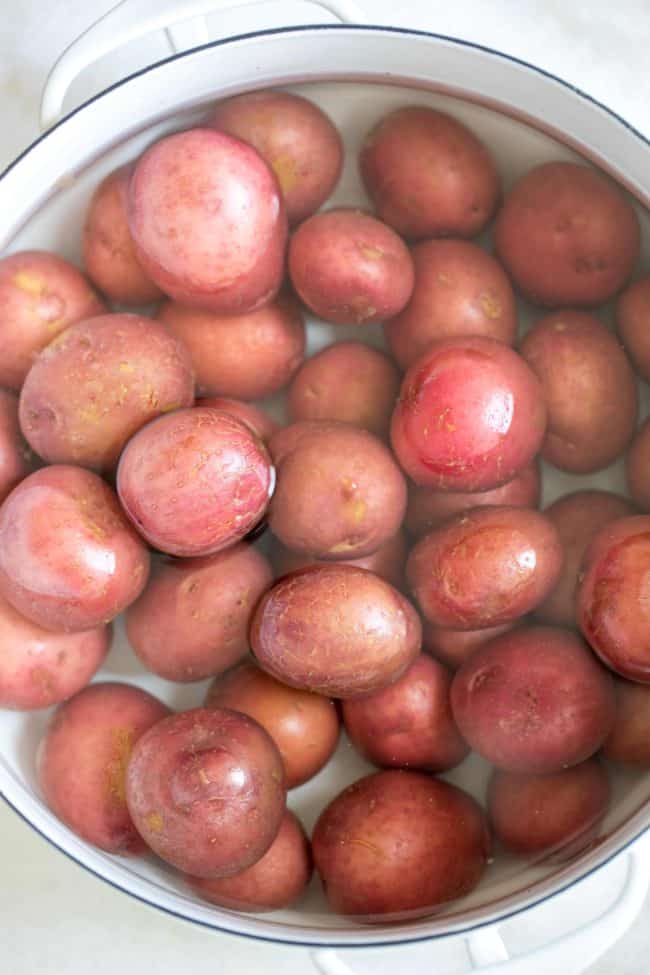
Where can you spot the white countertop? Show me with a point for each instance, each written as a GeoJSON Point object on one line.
{"type": "Point", "coordinates": [56, 918]}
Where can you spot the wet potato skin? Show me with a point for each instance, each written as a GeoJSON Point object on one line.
{"type": "Point", "coordinates": [629, 740]}
{"type": "Point", "coordinates": [454, 647]}
{"type": "Point", "coordinates": [16, 459]}
{"type": "Point", "coordinates": [637, 467]}
{"type": "Point", "coordinates": [262, 425]}
{"type": "Point", "coordinates": [388, 561]}
{"type": "Point", "coordinates": [632, 318]}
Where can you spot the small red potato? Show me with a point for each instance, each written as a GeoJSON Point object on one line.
{"type": "Point", "coordinates": [69, 560]}
{"type": "Point", "coordinates": [633, 324]}
{"type": "Point", "coordinates": [542, 814]}
{"type": "Point", "coordinates": [208, 220]}
{"type": "Point", "coordinates": [637, 468]}
{"type": "Point", "coordinates": [589, 387]}
{"type": "Point", "coordinates": [459, 290]}
{"type": "Point", "coordinates": [262, 425]}
{"type": "Point", "coordinates": [388, 561]}
{"type": "Point", "coordinates": [276, 880]}
{"type": "Point", "coordinates": [629, 740]}
{"type": "Point", "coordinates": [428, 175]}
{"type": "Point", "coordinates": [286, 439]}
{"type": "Point", "coordinates": [397, 845]}
{"type": "Point", "coordinates": [347, 381]}
{"type": "Point", "coordinates": [577, 517]}
{"type": "Point", "coordinates": [97, 383]}
{"type": "Point", "coordinates": [534, 700]}
{"type": "Point", "coordinates": [469, 417]}
{"type": "Point", "coordinates": [194, 482]}
{"type": "Point", "coordinates": [205, 790]}
{"type": "Point", "coordinates": [350, 268]}
{"type": "Point", "coordinates": [336, 630]}
{"type": "Point", "coordinates": [82, 762]}
{"type": "Point", "coordinates": [567, 235]}
{"type": "Point", "coordinates": [409, 724]}
{"type": "Point", "coordinates": [245, 356]}
{"type": "Point", "coordinates": [304, 726]}
{"type": "Point", "coordinates": [191, 622]}
{"type": "Point", "coordinates": [16, 460]}
{"type": "Point", "coordinates": [41, 294]}
{"type": "Point", "coordinates": [109, 252]}
{"type": "Point", "coordinates": [295, 138]}
{"type": "Point", "coordinates": [485, 567]}
{"type": "Point", "coordinates": [454, 647]}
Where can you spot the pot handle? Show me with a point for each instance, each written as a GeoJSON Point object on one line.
{"type": "Point", "coordinates": [183, 21]}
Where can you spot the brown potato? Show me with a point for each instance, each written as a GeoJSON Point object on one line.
{"type": "Point", "coordinates": [454, 647]}
{"type": "Point", "coordinates": [388, 561]}
{"type": "Point", "coordinates": [16, 459]}
{"type": "Point", "coordinates": [637, 468]}
{"type": "Point", "coordinates": [633, 323]}
{"type": "Point", "coordinates": [629, 739]}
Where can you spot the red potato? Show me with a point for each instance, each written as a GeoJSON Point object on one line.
{"type": "Point", "coordinates": [629, 740]}
{"type": "Point", "coordinates": [397, 845]}
{"type": "Point", "coordinates": [304, 726]}
{"type": "Point", "coordinates": [109, 252]}
{"type": "Point", "coordinates": [388, 561]}
{"type": "Point", "coordinates": [208, 221]}
{"type": "Point", "coordinates": [350, 268]}
{"type": "Point", "coordinates": [428, 509]}
{"type": "Point", "coordinates": [82, 762]}
{"type": "Point", "coordinates": [428, 175]}
{"type": "Point", "coordinates": [567, 235]}
{"type": "Point", "coordinates": [485, 567]}
{"type": "Point", "coordinates": [284, 441]}
{"type": "Point", "coordinates": [454, 647]}
{"type": "Point", "coordinates": [69, 560]}
{"type": "Point", "coordinates": [336, 630]}
{"type": "Point", "coordinates": [41, 294]}
{"type": "Point", "coordinates": [195, 482]}
{"type": "Point", "coordinates": [577, 517]}
{"type": "Point", "coordinates": [16, 460]}
{"type": "Point", "coordinates": [589, 387]}
{"type": "Point", "coordinates": [97, 383]}
{"type": "Point", "coordinates": [409, 724]}
{"type": "Point", "coordinates": [205, 790]}
{"type": "Point", "coordinates": [276, 880]}
{"type": "Point", "coordinates": [295, 138]}
{"type": "Point", "coordinates": [459, 290]}
{"type": "Point", "coordinates": [469, 417]}
{"type": "Point", "coordinates": [637, 468]}
{"type": "Point", "coordinates": [534, 700]}
{"type": "Point", "coordinates": [262, 425]}
{"type": "Point", "coordinates": [246, 356]}
{"type": "Point", "coordinates": [633, 324]}
{"type": "Point", "coordinates": [191, 622]}
{"type": "Point", "coordinates": [347, 381]}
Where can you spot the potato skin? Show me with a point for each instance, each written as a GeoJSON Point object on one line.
{"type": "Point", "coordinates": [191, 622]}
{"type": "Point", "coordinates": [428, 175]}
{"type": "Point", "coordinates": [637, 467]}
{"type": "Point", "coordinates": [567, 235]}
{"type": "Point", "coordinates": [203, 774]}
{"type": "Point", "coordinates": [41, 294]}
{"type": "Point", "coordinates": [336, 630]}
{"type": "Point", "coordinates": [534, 700]}
{"type": "Point", "coordinates": [97, 383]}
{"type": "Point", "coordinates": [69, 560]}
{"type": "Point", "coordinates": [262, 425]}
{"type": "Point", "coordinates": [633, 324]}
{"type": "Point", "coordinates": [16, 459]}
{"type": "Point", "coordinates": [284, 441]}
{"type": "Point", "coordinates": [246, 356]}
{"type": "Point", "coordinates": [82, 762]}
{"type": "Point", "coordinates": [388, 561]}
{"type": "Point", "coordinates": [397, 844]}
{"type": "Point", "coordinates": [454, 647]}
{"type": "Point", "coordinates": [216, 195]}
{"type": "Point", "coordinates": [276, 880]}
{"type": "Point", "coordinates": [629, 739]}
{"type": "Point", "coordinates": [350, 268]}
{"type": "Point", "coordinates": [470, 415]}
{"type": "Point", "coordinates": [304, 726]}
{"type": "Point", "coordinates": [295, 138]}
{"type": "Point", "coordinates": [590, 390]}
{"type": "Point", "coordinates": [195, 481]}
{"type": "Point", "coordinates": [485, 567]}
{"type": "Point", "coordinates": [459, 290]}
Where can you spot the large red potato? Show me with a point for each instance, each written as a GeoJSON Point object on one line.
{"type": "Point", "coordinates": [262, 425]}
{"type": "Point", "coordinates": [633, 323]}
{"type": "Point", "coordinates": [16, 460]}
{"type": "Point", "coordinates": [388, 561]}
{"type": "Point", "coordinates": [454, 647]}
{"type": "Point", "coordinates": [629, 739]}
{"type": "Point", "coordinates": [637, 467]}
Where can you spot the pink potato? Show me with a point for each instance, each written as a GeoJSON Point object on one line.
{"type": "Point", "coordinates": [109, 252]}
{"type": "Point", "coordinates": [567, 235]}
{"type": "Point", "coordinates": [350, 268]}
{"type": "Point", "coordinates": [246, 356]}
{"type": "Point", "coordinates": [195, 482]}
{"type": "Point", "coordinates": [208, 221]}
{"type": "Point", "coordinates": [286, 439]}
{"type": "Point", "coordinates": [637, 467]}
{"type": "Point", "coordinates": [428, 175]}
{"type": "Point", "coordinates": [629, 739]}
{"type": "Point", "coordinates": [262, 425]}
{"type": "Point", "coordinates": [97, 383]}
{"type": "Point", "coordinates": [69, 560]}
{"type": "Point", "coordinates": [397, 845]}
{"type": "Point", "coordinates": [205, 790]}
{"type": "Point", "coordinates": [469, 417]}
{"type": "Point", "coordinates": [16, 460]}
{"type": "Point", "coordinates": [295, 138]}
{"type": "Point", "coordinates": [388, 561]}
{"type": "Point", "coordinates": [191, 622]}
{"type": "Point", "coordinates": [485, 567]}
{"type": "Point", "coordinates": [83, 758]}
{"type": "Point", "coordinates": [408, 724]}
{"type": "Point", "coordinates": [459, 290]}
{"type": "Point", "coordinates": [633, 324]}
{"type": "Point", "coordinates": [534, 700]}
{"type": "Point", "coordinates": [274, 881]}
{"type": "Point", "coordinates": [454, 647]}
{"type": "Point", "coordinates": [41, 294]}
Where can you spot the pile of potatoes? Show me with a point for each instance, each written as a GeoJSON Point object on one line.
{"type": "Point", "coordinates": [379, 561]}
